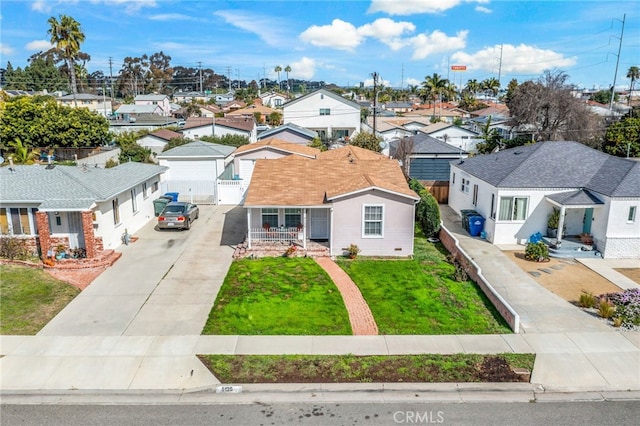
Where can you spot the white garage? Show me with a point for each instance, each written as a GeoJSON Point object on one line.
{"type": "Point", "coordinates": [193, 170]}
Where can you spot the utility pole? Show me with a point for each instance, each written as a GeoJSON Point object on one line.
{"type": "Point", "coordinates": [229, 76]}
{"type": "Point", "coordinates": [613, 88]}
{"type": "Point", "coordinates": [500, 65]}
{"type": "Point", "coordinates": [375, 100]}
{"type": "Point", "coordinates": [402, 78]}
{"type": "Point", "coordinates": [111, 77]}
{"type": "Point", "coordinates": [200, 66]}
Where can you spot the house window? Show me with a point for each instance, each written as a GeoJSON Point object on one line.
{"type": "Point", "coordinates": [16, 221]}
{"type": "Point", "coordinates": [513, 208]}
{"type": "Point", "coordinates": [115, 206]}
{"type": "Point", "coordinates": [372, 221]}
{"type": "Point", "coordinates": [453, 178]}
{"type": "Point", "coordinates": [464, 186]}
{"type": "Point", "coordinates": [134, 200]}
{"type": "Point", "coordinates": [270, 218]}
{"type": "Point", "coordinates": [632, 214]}
{"type": "Point", "coordinates": [475, 195]}
{"type": "Point", "coordinates": [292, 218]}
{"type": "Point", "coordinates": [341, 133]}
{"type": "Point", "coordinates": [145, 191]}
{"type": "Point", "coordinates": [155, 186]}
{"type": "Point", "coordinates": [325, 111]}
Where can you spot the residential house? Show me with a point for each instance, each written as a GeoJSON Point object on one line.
{"type": "Point", "coordinates": [251, 111]}
{"type": "Point", "coordinates": [515, 190]}
{"type": "Point", "coordinates": [328, 114]}
{"type": "Point", "coordinates": [500, 123]}
{"type": "Point", "coordinates": [128, 121]}
{"type": "Point", "coordinates": [398, 107]}
{"type": "Point", "coordinates": [457, 136]}
{"type": "Point", "coordinates": [290, 133]}
{"type": "Point", "coordinates": [98, 104]}
{"type": "Point", "coordinates": [273, 99]}
{"type": "Point", "coordinates": [77, 206]}
{"type": "Point", "coordinates": [429, 162]}
{"type": "Point", "coordinates": [394, 127]}
{"type": "Point", "coordinates": [158, 139]}
{"type": "Point", "coordinates": [162, 101]}
{"type": "Point", "coordinates": [209, 111]}
{"type": "Point", "coordinates": [344, 196]}
{"type": "Point", "coordinates": [223, 98]}
{"type": "Point", "coordinates": [187, 97]}
{"type": "Point", "coordinates": [232, 105]}
{"type": "Point", "coordinates": [196, 127]}
{"type": "Point", "coordinates": [193, 169]}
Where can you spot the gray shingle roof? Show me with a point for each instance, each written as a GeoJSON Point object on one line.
{"type": "Point", "coordinates": [288, 126]}
{"type": "Point", "coordinates": [580, 197]}
{"type": "Point", "coordinates": [71, 187]}
{"type": "Point", "coordinates": [199, 149]}
{"type": "Point", "coordinates": [557, 165]}
{"type": "Point", "coordinates": [425, 144]}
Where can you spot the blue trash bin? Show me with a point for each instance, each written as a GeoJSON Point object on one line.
{"type": "Point", "coordinates": [476, 224]}
{"type": "Point", "coordinates": [172, 195]}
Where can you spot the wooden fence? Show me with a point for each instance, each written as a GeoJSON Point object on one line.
{"type": "Point", "coordinates": [438, 188]}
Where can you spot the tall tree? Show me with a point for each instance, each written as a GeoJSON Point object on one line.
{"type": "Point", "coordinates": [472, 87]}
{"type": "Point", "coordinates": [67, 36]}
{"type": "Point", "coordinates": [287, 69]}
{"type": "Point", "coordinates": [633, 74]}
{"type": "Point", "coordinates": [491, 85]}
{"type": "Point", "coordinates": [159, 73]}
{"type": "Point", "coordinates": [433, 87]}
{"type": "Point", "coordinates": [277, 69]}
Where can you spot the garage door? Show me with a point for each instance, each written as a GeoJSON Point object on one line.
{"type": "Point", "coordinates": [194, 180]}
{"type": "Point", "coordinates": [246, 169]}
{"type": "Point", "coordinates": [430, 168]}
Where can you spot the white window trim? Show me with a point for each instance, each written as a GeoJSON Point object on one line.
{"type": "Point", "coordinates": [364, 208]}
{"type": "Point", "coordinates": [513, 205]}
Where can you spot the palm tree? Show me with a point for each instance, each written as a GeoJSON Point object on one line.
{"type": "Point", "coordinates": [277, 69]}
{"type": "Point", "coordinates": [491, 85]}
{"type": "Point", "coordinates": [472, 87]}
{"type": "Point", "coordinates": [433, 87]}
{"type": "Point", "coordinates": [67, 36]}
{"type": "Point", "coordinates": [634, 74]}
{"type": "Point", "coordinates": [287, 69]}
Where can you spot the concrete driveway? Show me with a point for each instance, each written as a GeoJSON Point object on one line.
{"type": "Point", "coordinates": [164, 284]}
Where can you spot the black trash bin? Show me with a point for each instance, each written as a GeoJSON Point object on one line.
{"type": "Point", "coordinates": [465, 214]}
{"type": "Point", "coordinates": [160, 203]}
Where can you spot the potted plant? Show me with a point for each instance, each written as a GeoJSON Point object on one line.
{"type": "Point", "coordinates": [353, 251]}
{"type": "Point", "coordinates": [553, 222]}
{"type": "Point", "coordinates": [61, 251]}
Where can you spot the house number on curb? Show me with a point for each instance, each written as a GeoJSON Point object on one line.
{"type": "Point", "coordinates": [229, 389]}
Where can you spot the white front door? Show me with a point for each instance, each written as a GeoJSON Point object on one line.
{"type": "Point", "coordinates": [319, 224]}
{"type": "Point", "coordinates": [76, 234]}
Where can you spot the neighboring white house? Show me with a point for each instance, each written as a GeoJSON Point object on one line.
{"type": "Point", "coordinates": [99, 104]}
{"type": "Point", "coordinates": [162, 101]}
{"type": "Point", "coordinates": [192, 170]}
{"type": "Point", "coordinates": [196, 127]}
{"type": "Point", "coordinates": [330, 115]}
{"type": "Point", "coordinates": [273, 99]}
{"type": "Point", "coordinates": [222, 98]}
{"type": "Point", "coordinates": [77, 206]}
{"type": "Point", "coordinates": [157, 140]}
{"type": "Point", "coordinates": [343, 196]}
{"type": "Point", "coordinates": [515, 191]}
{"type": "Point", "coordinates": [290, 133]}
{"type": "Point", "coordinates": [456, 136]}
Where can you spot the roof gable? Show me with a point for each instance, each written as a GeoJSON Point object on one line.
{"type": "Point", "coordinates": [311, 134]}
{"type": "Point", "coordinates": [325, 92]}
{"type": "Point", "coordinates": [199, 149]}
{"type": "Point", "coordinates": [278, 145]}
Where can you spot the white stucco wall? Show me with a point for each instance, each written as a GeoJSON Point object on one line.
{"type": "Point", "coordinates": [306, 113]}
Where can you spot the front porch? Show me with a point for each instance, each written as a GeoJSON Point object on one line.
{"type": "Point", "coordinates": [278, 248]}
{"type": "Point", "coordinates": [570, 247]}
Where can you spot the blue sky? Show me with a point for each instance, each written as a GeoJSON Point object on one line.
{"type": "Point", "coordinates": [343, 42]}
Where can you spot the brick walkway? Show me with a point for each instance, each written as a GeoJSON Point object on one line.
{"type": "Point", "coordinates": [362, 322]}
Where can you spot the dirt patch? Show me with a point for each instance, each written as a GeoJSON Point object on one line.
{"type": "Point", "coordinates": [564, 277]}
{"type": "Point", "coordinates": [631, 273]}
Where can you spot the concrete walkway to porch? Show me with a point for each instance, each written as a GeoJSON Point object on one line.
{"type": "Point", "coordinates": [360, 316]}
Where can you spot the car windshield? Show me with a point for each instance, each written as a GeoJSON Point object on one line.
{"type": "Point", "coordinates": [174, 209]}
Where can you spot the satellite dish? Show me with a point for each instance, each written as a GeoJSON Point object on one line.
{"type": "Point", "coordinates": [382, 144]}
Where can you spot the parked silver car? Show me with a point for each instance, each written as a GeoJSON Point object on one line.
{"type": "Point", "coordinates": [178, 215]}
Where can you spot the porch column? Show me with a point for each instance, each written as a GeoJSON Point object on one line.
{"type": "Point", "coordinates": [89, 235]}
{"type": "Point", "coordinates": [44, 233]}
{"type": "Point", "coordinates": [560, 226]}
{"type": "Point", "coordinates": [304, 228]}
{"type": "Point", "coordinates": [248, 228]}
{"type": "Point", "coordinates": [331, 233]}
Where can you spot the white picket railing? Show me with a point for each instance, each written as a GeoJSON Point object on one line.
{"type": "Point", "coordinates": [277, 234]}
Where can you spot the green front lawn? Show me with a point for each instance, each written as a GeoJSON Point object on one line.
{"type": "Point", "coordinates": [278, 296]}
{"type": "Point", "coordinates": [420, 296]}
{"type": "Point", "coordinates": [30, 298]}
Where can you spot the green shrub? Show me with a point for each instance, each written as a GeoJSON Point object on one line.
{"type": "Point", "coordinates": [428, 214]}
{"type": "Point", "coordinates": [536, 251]}
{"type": "Point", "coordinates": [606, 308]}
{"type": "Point", "coordinates": [587, 299]}
{"type": "Point", "coordinates": [13, 248]}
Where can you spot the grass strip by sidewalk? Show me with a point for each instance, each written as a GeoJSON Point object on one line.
{"type": "Point", "coordinates": [427, 368]}
{"type": "Point", "coordinates": [30, 299]}
{"type": "Point", "coordinates": [278, 296]}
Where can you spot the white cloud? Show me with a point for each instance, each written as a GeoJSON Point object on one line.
{"type": "Point", "coordinates": [483, 9]}
{"type": "Point", "coordinates": [265, 27]}
{"type": "Point", "coordinates": [130, 6]}
{"type": "Point", "coordinates": [41, 6]}
{"type": "Point", "coordinates": [387, 31]}
{"type": "Point", "coordinates": [339, 35]}
{"type": "Point", "coordinates": [436, 42]}
{"type": "Point", "coordinates": [414, 7]}
{"type": "Point", "coordinates": [303, 69]}
{"type": "Point", "coordinates": [515, 59]}
{"type": "Point", "coordinates": [38, 45]}
{"type": "Point", "coordinates": [5, 49]}
{"type": "Point", "coordinates": [171, 17]}
{"type": "Point", "coordinates": [412, 82]}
